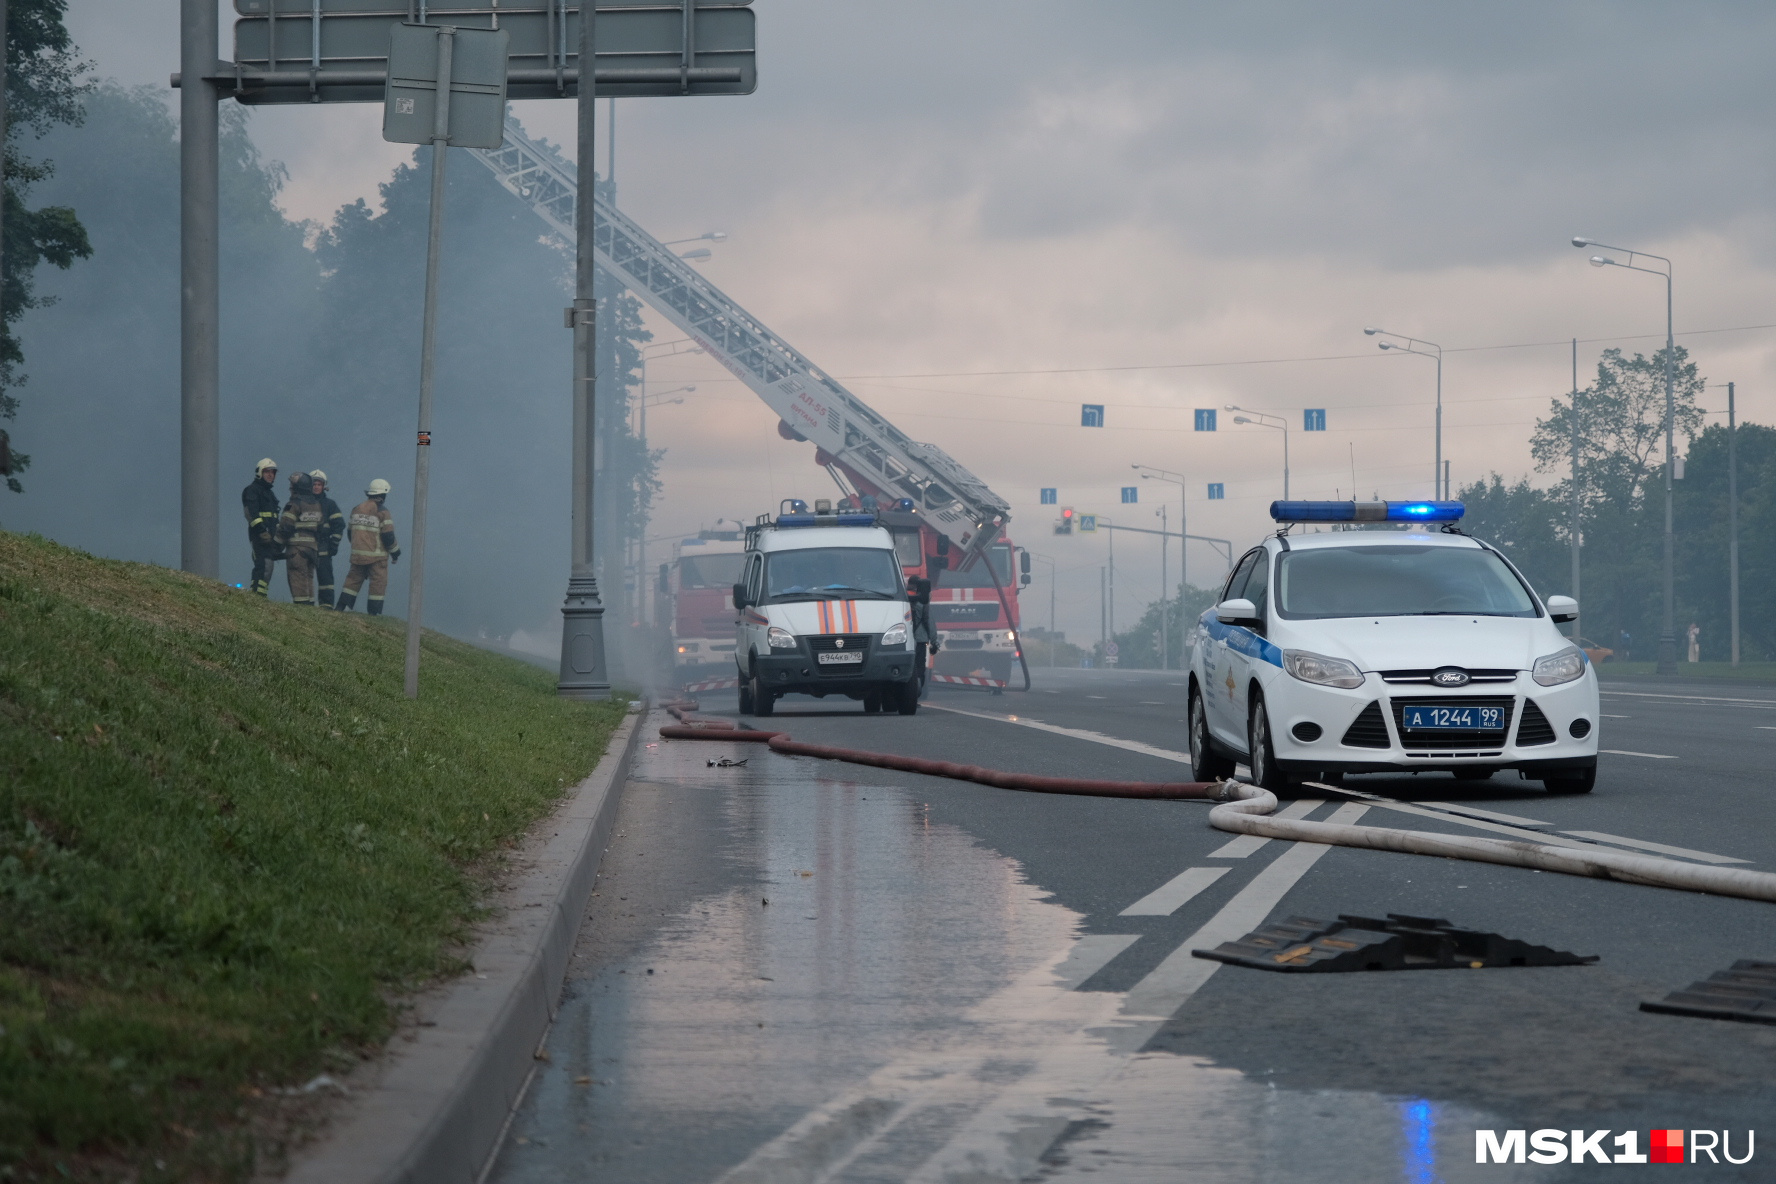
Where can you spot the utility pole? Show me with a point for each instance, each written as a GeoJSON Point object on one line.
{"type": "Point", "coordinates": [583, 673]}
{"type": "Point", "coordinates": [1164, 600]}
{"type": "Point", "coordinates": [1733, 518]}
{"type": "Point", "coordinates": [1574, 529]}
{"type": "Point", "coordinates": [199, 304]}
{"type": "Point", "coordinates": [1103, 632]}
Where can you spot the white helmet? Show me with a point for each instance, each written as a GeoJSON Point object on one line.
{"type": "Point", "coordinates": [317, 475]}
{"type": "Point", "coordinates": [267, 463]}
{"type": "Point", "coordinates": [377, 488]}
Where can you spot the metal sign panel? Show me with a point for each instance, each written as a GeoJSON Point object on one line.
{"type": "Point", "coordinates": [477, 86]}
{"type": "Point", "coordinates": [336, 51]}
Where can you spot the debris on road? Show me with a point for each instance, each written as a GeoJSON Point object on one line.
{"type": "Point", "coordinates": [1744, 992]}
{"type": "Point", "coordinates": [1302, 944]}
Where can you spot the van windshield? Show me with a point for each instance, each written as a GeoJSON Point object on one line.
{"type": "Point", "coordinates": [1399, 581]}
{"type": "Point", "coordinates": [841, 573]}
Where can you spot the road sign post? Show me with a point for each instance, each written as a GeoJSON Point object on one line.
{"type": "Point", "coordinates": [446, 86]}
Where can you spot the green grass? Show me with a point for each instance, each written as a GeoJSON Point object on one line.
{"type": "Point", "coordinates": [228, 845]}
{"type": "Point", "coordinates": [1744, 672]}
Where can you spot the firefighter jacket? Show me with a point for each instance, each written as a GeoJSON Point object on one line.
{"type": "Point", "coordinates": [372, 532]}
{"type": "Point", "coordinates": [301, 525]}
{"type": "Point", "coordinates": [332, 526]}
{"type": "Point", "coordinates": [260, 503]}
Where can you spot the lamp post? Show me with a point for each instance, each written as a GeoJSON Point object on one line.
{"type": "Point", "coordinates": [1439, 483]}
{"type": "Point", "coordinates": [1261, 421]}
{"type": "Point", "coordinates": [1668, 623]}
{"type": "Point", "coordinates": [665, 349]}
{"type": "Point", "coordinates": [1053, 646]}
{"type": "Point", "coordinates": [1150, 473]}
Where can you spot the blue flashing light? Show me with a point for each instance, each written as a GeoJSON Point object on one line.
{"type": "Point", "coordinates": [826, 520]}
{"type": "Point", "coordinates": [1366, 511]}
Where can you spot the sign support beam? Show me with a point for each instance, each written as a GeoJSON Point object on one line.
{"type": "Point", "coordinates": [200, 301]}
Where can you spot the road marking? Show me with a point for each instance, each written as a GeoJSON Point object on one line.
{"type": "Point", "coordinates": [1243, 845]}
{"type": "Point", "coordinates": [1651, 756]}
{"type": "Point", "coordinates": [1153, 703]}
{"type": "Point", "coordinates": [1165, 754]}
{"type": "Point", "coordinates": [1693, 698]}
{"type": "Point", "coordinates": [1169, 897]}
{"type": "Point", "coordinates": [1091, 954]}
{"type": "Point", "coordinates": [1661, 848]}
{"type": "Point", "coordinates": [1496, 817]}
{"type": "Point", "coordinates": [1170, 984]}
{"type": "Point", "coordinates": [1766, 728]}
{"type": "Point", "coordinates": [1606, 715]}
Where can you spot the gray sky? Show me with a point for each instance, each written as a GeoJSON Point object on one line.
{"type": "Point", "coordinates": [923, 191]}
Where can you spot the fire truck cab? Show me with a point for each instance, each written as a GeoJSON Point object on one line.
{"type": "Point", "coordinates": [698, 585]}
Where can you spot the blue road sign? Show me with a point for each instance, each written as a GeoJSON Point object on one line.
{"type": "Point", "coordinates": [1088, 523]}
{"type": "Point", "coordinates": [1130, 494]}
{"type": "Point", "coordinates": [1217, 491]}
{"type": "Point", "coordinates": [1205, 419]}
{"type": "Point", "coordinates": [1050, 497]}
{"type": "Point", "coordinates": [1313, 420]}
{"type": "Point", "coordinates": [1091, 415]}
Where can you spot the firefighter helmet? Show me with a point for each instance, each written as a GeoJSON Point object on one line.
{"type": "Point", "coordinates": [267, 463]}
{"type": "Point", "coordinates": [317, 476]}
{"type": "Point", "coordinates": [377, 488]}
{"type": "Point", "coordinates": [298, 479]}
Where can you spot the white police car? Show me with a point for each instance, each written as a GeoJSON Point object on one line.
{"type": "Point", "coordinates": [1376, 650]}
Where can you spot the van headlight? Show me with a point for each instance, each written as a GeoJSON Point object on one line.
{"type": "Point", "coordinates": [895, 637]}
{"type": "Point", "coordinates": [1321, 670]}
{"type": "Point", "coordinates": [780, 639]}
{"type": "Point", "coordinates": [1555, 669]}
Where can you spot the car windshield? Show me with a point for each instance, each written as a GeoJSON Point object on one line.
{"type": "Point", "coordinates": [846, 573]}
{"type": "Point", "coordinates": [709, 571]}
{"type": "Point", "coordinates": [1399, 581]}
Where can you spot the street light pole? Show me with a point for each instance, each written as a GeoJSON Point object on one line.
{"type": "Point", "coordinates": [1668, 622]}
{"type": "Point", "coordinates": [1164, 600]}
{"type": "Point", "coordinates": [1733, 519]}
{"type": "Point", "coordinates": [1439, 484]}
{"type": "Point", "coordinates": [1574, 529]}
{"type": "Point", "coordinates": [1150, 473]}
{"type": "Point", "coordinates": [1281, 424]}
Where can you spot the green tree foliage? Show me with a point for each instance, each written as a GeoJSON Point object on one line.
{"type": "Point", "coordinates": [1524, 523]}
{"type": "Point", "coordinates": [1700, 521]}
{"type": "Point", "coordinates": [1138, 647]}
{"type": "Point", "coordinates": [43, 89]}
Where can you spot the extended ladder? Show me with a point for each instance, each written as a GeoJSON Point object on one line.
{"type": "Point", "coordinates": [812, 405]}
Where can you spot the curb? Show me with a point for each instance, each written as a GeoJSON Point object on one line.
{"type": "Point", "coordinates": [440, 1107]}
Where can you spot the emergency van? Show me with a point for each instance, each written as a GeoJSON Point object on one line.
{"type": "Point", "coordinates": [824, 611]}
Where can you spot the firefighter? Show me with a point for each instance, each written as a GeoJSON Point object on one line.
{"type": "Point", "coordinates": [259, 501]}
{"type": "Point", "coordinates": [372, 549]}
{"type": "Point", "coordinates": [299, 529]}
{"type": "Point", "coordinates": [327, 539]}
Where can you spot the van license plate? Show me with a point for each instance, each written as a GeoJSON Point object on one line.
{"type": "Point", "coordinates": [1466, 719]}
{"type": "Point", "coordinates": [840, 657]}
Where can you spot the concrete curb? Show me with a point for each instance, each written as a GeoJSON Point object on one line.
{"type": "Point", "coordinates": [437, 1112]}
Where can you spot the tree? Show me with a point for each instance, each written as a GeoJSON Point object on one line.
{"type": "Point", "coordinates": [1523, 522]}
{"type": "Point", "coordinates": [1699, 517]}
{"type": "Point", "coordinates": [43, 88]}
{"type": "Point", "coordinates": [1138, 646]}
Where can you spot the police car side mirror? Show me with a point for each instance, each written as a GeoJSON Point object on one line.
{"type": "Point", "coordinates": [1238, 611]}
{"type": "Point", "coordinates": [1563, 609]}
{"type": "Point", "coordinates": [739, 595]}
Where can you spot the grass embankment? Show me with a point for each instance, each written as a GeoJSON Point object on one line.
{"type": "Point", "coordinates": [227, 844]}
{"type": "Point", "coordinates": [1687, 671]}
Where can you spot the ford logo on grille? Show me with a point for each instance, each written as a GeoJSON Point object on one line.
{"type": "Point", "coordinates": [1450, 676]}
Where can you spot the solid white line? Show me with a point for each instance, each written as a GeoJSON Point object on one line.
{"type": "Point", "coordinates": [1661, 848]}
{"type": "Point", "coordinates": [1076, 733]}
{"type": "Point", "coordinates": [1693, 698]}
{"type": "Point", "coordinates": [1243, 845]}
{"type": "Point", "coordinates": [1651, 756]}
{"type": "Point", "coordinates": [1169, 897]}
{"type": "Point", "coordinates": [1091, 954]}
{"type": "Point", "coordinates": [1496, 817]}
{"type": "Point", "coordinates": [1534, 836]}
{"type": "Point", "coordinates": [1170, 984]}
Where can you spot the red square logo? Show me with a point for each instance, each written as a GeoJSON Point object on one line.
{"type": "Point", "coordinates": [1667, 1146]}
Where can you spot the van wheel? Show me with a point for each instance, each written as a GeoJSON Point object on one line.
{"type": "Point", "coordinates": [745, 696]}
{"type": "Point", "coordinates": [1263, 761]}
{"type": "Point", "coordinates": [906, 697]}
{"type": "Point", "coordinates": [872, 701]}
{"type": "Point", "coordinates": [763, 701]}
{"type": "Point", "coordinates": [1205, 763]}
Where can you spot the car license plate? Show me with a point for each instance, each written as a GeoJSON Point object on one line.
{"type": "Point", "coordinates": [839, 657]}
{"type": "Point", "coordinates": [1426, 718]}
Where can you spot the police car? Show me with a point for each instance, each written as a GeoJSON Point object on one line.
{"type": "Point", "coordinates": [1365, 649]}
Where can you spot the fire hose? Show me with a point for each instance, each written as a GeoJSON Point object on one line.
{"type": "Point", "coordinates": [1246, 809]}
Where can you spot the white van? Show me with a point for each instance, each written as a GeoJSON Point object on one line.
{"type": "Point", "coordinates": [824, 611]}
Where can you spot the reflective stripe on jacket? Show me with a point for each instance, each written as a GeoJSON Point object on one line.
{"type": "Point", "coordinates": [372, 532]}
{"type": "Point", "coordinates": [300, 525]}
{"type": "Point", "coordinates": [260, 504]}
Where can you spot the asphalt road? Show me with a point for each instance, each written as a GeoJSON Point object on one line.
{"type": "Point", "coordinates": [951, 982]}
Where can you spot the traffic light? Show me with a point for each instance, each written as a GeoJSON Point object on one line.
{"type": "Point", "coordinates": [1064, 524]}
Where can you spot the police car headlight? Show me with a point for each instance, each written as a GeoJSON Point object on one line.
{"type": "Point", "coordinates": [1321, 670]}
{"type": "Point", "coordinates": [895, 637]}
{"type": "Point", "coordinates": [780, 639]}
{"type": "Point", "coordinates": [1555, 669]}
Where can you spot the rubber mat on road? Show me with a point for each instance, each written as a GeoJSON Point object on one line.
{"type": "Point", "coordinates": [1746, 992]}
{"type": "Point", "coordinates": [1299, 945]}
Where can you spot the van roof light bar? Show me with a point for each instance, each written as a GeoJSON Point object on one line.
{"type": "Point", "coordinates": [1367, 511]}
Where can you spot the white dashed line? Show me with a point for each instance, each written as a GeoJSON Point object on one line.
{"type": "Point", "coordinates": [1243, 845]}
{"type": "Point", "coordinates": [1651, 756]}
{"type": "Point", "coordinates": [1171, 896]}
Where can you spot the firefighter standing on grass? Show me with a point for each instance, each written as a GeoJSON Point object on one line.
{"type": "Point", "coordinates": [299, 530]}
{"type": "Point", "coordinates": [327, 540]}
{"type": "Point", "coordinates": [372, 549]}
{"type": "Point", "coordinates": [260, 502]}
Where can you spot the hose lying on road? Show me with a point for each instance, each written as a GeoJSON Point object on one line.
{"type": "Point", "coordinates": [1246, 809]}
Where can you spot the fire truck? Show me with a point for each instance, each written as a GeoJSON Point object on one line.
{"type": "Point", "coordinates": [955, 521]}
{"type": "Point", "coordinates": [696, 598]}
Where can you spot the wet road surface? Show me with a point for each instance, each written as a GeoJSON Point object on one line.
{"type": "Point", "coordinates": [803, 970]}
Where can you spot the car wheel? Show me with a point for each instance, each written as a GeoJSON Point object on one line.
{"type": "Point", "coordinates": [1263, 761]}
{"type": "Point", "coordinates": [1583, 781]}
{"type": "Point", "coordinates": [1205, 763]}
{"type": "Point", "coordinates": [763, 701]}
{"type": "Point", "coordinates": [907, 697]}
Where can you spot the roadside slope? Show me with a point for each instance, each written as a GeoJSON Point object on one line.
{"type": "Point", "coordinates": [227, 842]}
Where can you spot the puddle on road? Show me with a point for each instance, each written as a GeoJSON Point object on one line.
{"type": "Point", "coordinates": [890, 1013]}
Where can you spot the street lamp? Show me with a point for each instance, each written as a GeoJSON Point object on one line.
{"type": "Point", "coordinates": [708, 236]}
{"type": "Point", "coordinates": [1281, 424]}
{"type": "Point", "coordinates": [1668, 626]}
{"type": "Point", "coordinates": [1052, 644]}
{"type": "Point", "coordinates": [1150, 473]}
{"type": "Point", "coordinates": [1438, 482]}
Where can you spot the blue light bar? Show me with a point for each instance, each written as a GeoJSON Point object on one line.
{"type": "Point", "coordinates": [1366, 511]}
{"type": "Point", "coordinates": [826, 520]}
